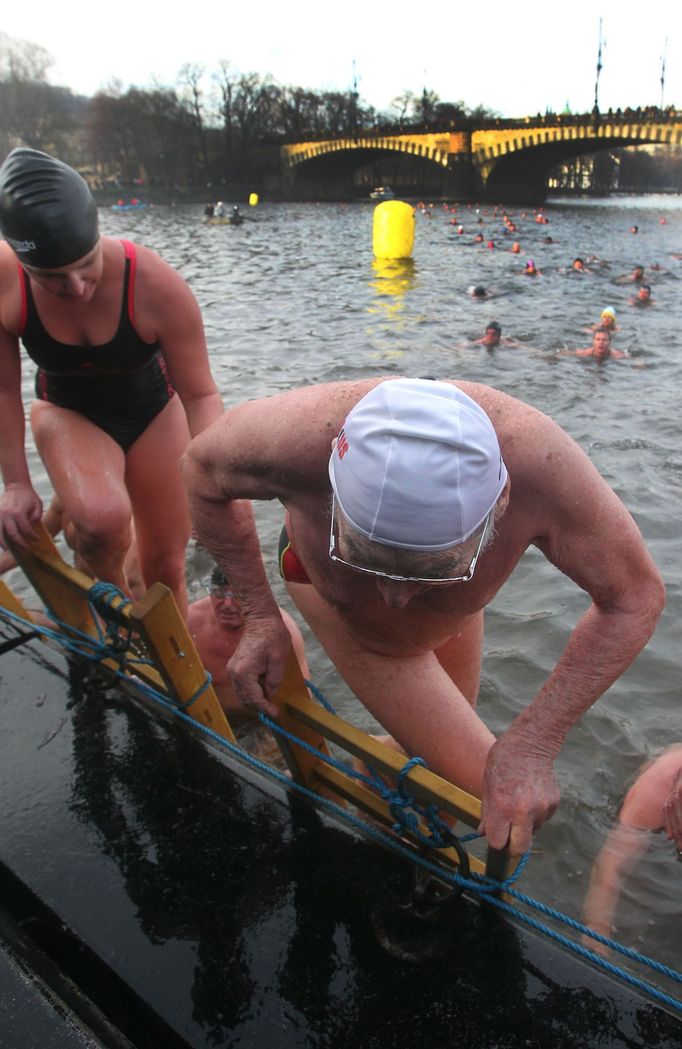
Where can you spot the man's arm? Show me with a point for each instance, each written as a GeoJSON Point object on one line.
{"type": "Point", "coordinates": [588, 534]}
{"type": "Point", "coordinates": [622, 849]}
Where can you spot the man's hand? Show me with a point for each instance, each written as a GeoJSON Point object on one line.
{"type": "Point", "coordinates": [257, 666]}
{"type": "Point", "coordinates": [520, 793]}
{"type": "Point", "coordinates": [20, 510]}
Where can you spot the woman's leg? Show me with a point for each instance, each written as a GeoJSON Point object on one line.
{"type": "Point", "coordinates": [86, 468]}
{"type": "Point", "coordinates": [159, 501]}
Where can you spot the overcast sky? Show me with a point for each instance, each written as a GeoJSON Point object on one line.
{"type": "Point", "coordinates": [514, 58]}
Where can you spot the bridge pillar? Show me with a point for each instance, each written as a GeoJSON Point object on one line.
{"type": "Point", "coordinates": [459, 178]}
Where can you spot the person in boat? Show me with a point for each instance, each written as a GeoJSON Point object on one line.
{"type": "Point", "coordinates": [395, 544]}
{"type": "Point", "coordinates": [216, 623]}
{"type": "Point", "coordinates": [601, 348]}
{"type": "Point", "coordinates": [115, 331]}
{"type": "Point", "coordinates": [219, 210]}
{"type": "Point", "coordinates": [652, 805]}
{"type": "Point", "coordinates": [236, 218]}
{"type": "Point", "coordinates": [209, 211]}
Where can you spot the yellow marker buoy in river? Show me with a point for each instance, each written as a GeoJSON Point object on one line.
{"type": "Point", "coordinates": [393, 232]}
{"type": "Point", "coordinates": [253, 199]}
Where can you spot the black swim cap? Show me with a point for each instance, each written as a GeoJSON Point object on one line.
{"type": "Point", "coordinates": [47, 213]}
{"type": "Point", "coordinates": [494, 326]}
{"type": "Point", "coordinates": [218, 577]}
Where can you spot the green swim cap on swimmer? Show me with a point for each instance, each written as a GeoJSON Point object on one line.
{"type": "Point", "coordinates": [417, 465]}
{"type": "Point", "coordinates": [47, 213]}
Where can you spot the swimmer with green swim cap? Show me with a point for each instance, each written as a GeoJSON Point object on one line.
{"type": "Point", "coordinates": [114, 332]}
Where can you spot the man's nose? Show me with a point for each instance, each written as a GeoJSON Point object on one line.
{"type": "Point", "coordinates": [395, 594]}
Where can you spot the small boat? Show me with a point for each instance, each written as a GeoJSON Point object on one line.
{"type": "Point", "coordinates": [136, 205]}
{"type": "Point", "coordinates": [223, 220]}
{"type": "Point", "coordinates": [382, 193]}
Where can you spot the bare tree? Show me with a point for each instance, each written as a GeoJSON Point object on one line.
{"type": "Point", "coordinates": [33, 112]}
{"type": "Point", "coordinates": [190, 77]}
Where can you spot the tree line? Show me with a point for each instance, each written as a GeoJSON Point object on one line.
{"type": "Point", "coordinates": [212, 126]}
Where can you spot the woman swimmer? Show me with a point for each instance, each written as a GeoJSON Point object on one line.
{"type": "Point", "coordinates": [114, 332]}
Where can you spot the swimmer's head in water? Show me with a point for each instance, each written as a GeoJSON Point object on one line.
{"type": "Point", "coordinates": [417, 465]}
{"type": "Point", "coordinates": [478, 291]}
{"type": "Point", "coordinates": [609, 311]}
{"type": "Point", "coordinates": [494, 326]}
{"type": "Point", "coordinates": [47, 213]}
{"type": "Point", "coordinates": [218, 577]}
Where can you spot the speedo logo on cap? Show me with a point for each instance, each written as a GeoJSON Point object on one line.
{"type": "Point", "coordinates": [342, 444]}
{"type": "Point", "coordinates": [21, 245]}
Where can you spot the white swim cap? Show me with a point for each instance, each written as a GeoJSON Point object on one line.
{"type": "Point", "coordinates": [417, 465]}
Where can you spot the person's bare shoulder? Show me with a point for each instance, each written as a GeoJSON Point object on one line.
{"type": "Point", "coordinates": [286, 438]}
{"type": "Point", "coordinates": [643, 804]}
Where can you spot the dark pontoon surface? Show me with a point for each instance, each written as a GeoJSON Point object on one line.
{"type": "Point", "coordinates": [155, 892]}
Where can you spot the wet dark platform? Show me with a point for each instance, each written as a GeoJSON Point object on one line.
{"type": "Point", "coordinates": [157, 893]}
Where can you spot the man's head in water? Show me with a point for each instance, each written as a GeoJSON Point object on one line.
{"type": "Point", "coordinates": [493, 334]}
{"type": "Point", "coordinates": [601, 344]}
{"type": "Point", "coordinates": [477, 291]}
{"type": "Point", "coordinates": [578, 265]}
{"type": "Point", "coordinates": [226, 607]}
{"type": "Point", "coordinates": [644, 293]}
{"type": "Point", "coordinates": [49, 219]}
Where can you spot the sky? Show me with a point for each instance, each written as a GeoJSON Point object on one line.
{"type": "Point", "coordinates": [513, 58]}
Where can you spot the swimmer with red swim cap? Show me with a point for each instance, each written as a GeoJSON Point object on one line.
{"type": "Point", "coordinates": [114, 331]}
{"type": "Point", "coordinates": [409, 502]}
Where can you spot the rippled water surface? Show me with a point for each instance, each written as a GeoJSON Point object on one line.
{"type": "Point", "coordinates": [295, 297]}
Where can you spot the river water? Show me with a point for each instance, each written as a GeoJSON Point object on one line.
{"type": "Point", "coordinates": [294, 297]}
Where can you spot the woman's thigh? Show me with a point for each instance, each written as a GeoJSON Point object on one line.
{"type": "Point", "coordinates": [85, 465]}
{"type": "Point", "coordinates": [155, 484]}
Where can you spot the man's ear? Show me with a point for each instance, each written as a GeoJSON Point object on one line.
{"type": "Point", "coordinates": [503, 500]}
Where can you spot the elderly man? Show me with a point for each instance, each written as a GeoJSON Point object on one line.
{"type": "Point", "coordinates": [399, 540]}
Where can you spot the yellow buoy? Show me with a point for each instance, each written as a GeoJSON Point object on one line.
{"type": "Point", "coordinates": [253, 199]}
{"type": "Point", "coordinates": [393, 234]}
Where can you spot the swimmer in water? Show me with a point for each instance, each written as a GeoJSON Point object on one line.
{"type": "Point", "coordinates": [114, 331]}
{"type": "Point", "coordinates": [493, 337]}
{"type": "Point", "coordinates": [530, 269]}
{"type": "Point", "coordinates": [653, 805]}
{"type": "Point", "coordinates": [607, 321]}
{"type": "Point", "coordinates": [642, 298]}
{"type": "Point", "coordinates": [477, 291]}
{"type": "Point", "coordinates": [600, 349]}
{"type": "Point", "coordinates": [636, 276]}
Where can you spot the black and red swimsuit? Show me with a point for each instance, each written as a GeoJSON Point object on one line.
{"type": "Point", "coordinates": [120, 386]}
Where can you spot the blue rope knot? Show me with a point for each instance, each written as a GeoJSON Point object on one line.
{"type": "Point", "coordinates": [199, 692]}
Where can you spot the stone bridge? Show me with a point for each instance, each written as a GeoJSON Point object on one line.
{"type": "Point", "coordinates": [501, 160]}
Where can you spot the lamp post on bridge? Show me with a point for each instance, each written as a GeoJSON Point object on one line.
{"type": "Point", "coordinates": [595, 109]}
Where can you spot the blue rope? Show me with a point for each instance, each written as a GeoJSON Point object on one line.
{"type": "Point", "coordinates": [482, 886]}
